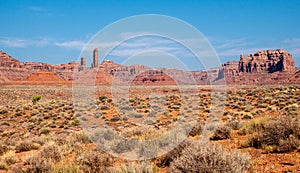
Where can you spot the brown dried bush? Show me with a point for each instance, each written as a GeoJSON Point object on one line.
{"type": "Point", "coordinates": [210, 158]}
{"type": "Point", "coordinates": [94, 161]}
{"type": "Point", "coordinates": [222, 132]}
{"type": "Point", "coordinates": [282, 134]}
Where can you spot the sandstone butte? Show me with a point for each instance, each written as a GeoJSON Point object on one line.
{"type": "Point", "coordinates": [263, 67]}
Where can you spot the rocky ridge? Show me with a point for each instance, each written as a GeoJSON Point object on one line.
{"type": "Point", "coordinates": [263, 67]}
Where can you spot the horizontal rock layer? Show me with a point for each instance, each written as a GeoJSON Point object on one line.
{"type": "Point", "coordinates": [263, 67]}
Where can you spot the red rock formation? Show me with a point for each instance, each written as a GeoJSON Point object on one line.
{"type": "Point", "coordinates": [263, 67]}
{"type": "Point", "coordinates": [153, 77]}
{"type": "Point", "coordinates": [42, 77]}
{"type": "Point", "coordinates": [267, 61]}
{"type": "Point", "coordinates": [295, 78]}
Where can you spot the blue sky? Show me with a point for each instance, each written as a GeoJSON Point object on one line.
{"type": "Point", "coordinates": [55, 31]}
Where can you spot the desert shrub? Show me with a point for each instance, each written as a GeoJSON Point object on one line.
{"type": "Point", "coordinates": [81, 137]}
{"type": "Point", "coordinates": [3, 111]}
{"type": "Point", "coordinates": [94, 161]}
{"type": "Point", "coordinates": [35, 99]}
{"type": "Point", "coordinates": [148, 149]}
{"type": "Point", "coordinates": [234, 124]}
{"type": "Point", "coordinates": [26, 145]}
{"type": "Point", "coordinates": [45, 131]}
{"type": "Point", "coordinates": [222, 132]}
{"type": "Point", "coordinates": [124, 145]}
{"type": "Point", "coordinates": [102, 98]}
{"type": "Point", "coordinates": [3, 166]}
{"type": "Point", "coordinates": [255, 125]}
{"type": "Point", "coordinates": [104, 107]}
{"type": "Point", "coordinates": [197, 129]}
{"type": "Point", "coordinates": [36, 164]}
{"type": "Point", "coordinates": [210, 158]}
{"type": "Point", "coordinates": [283, 134]}
{"type": "Point", "coordinates": [3, 148]}
{"type": "Point", "coordinates": [51, 152]}
{"type": "Point", "coordinates": [133, 168]}
{"type": "Point", "coordinates": [168, 158]}
{"type": "Point", "coordinates": [10, 158]}
{"type": "Point", "coordinates": [65, 167]}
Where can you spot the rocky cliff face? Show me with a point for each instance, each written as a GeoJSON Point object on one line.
{"type": "Point", "coordinates": [267, 66]}
{"type": "Point", "coordinates": [269, 61]}
{"type": "Point", "coordinates": [263, 67]}
{"type": "Point", "coordinates": [12, 70]}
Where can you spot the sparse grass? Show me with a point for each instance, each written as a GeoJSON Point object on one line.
{"type": "Point", "coordinates": [65, 167]}
{"type": "Point", "coordinates": [56, 121]}
{"type": "Point", "coordinates": [132, 168]}
{"type": "Point", "coordinates": [255, 125]}
{"type": "Point", "coordinates": [10, 157]}
{"type": "Point", "coordinates": [222, 132]}
{"type": "Point", "coordinates": [210, 158]}
{"type": "Point", "coordinates": [51, 151]}
{"type": "Point", "coordinates": [279, 135]}
{"type": "Point", "coordinates": [94, 161]}
{"type": "Point", "coordinates": [26, 145]}
{"type": "Point", "coordinates": [36, 164]}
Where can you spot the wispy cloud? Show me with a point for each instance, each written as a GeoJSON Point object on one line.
{"type": "Point", "coordinates": [75, 44]}
{"type": "Point", "coordinates": [232, 43]}
{"type": "Point", "coordinates": [235, 52]}
{"type": "Point", "coordinates": [36, 9]}
{"type": "Point", "coordinates": [295, 42]}
{"type": "Point", "coordinates": [20, 43]}
{"type": "Point", "coordinates": [148, 44]}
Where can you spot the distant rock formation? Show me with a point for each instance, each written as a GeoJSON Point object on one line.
{"type": "Point", "coordinates": [13, 70]}
{"type": "Point", "coordinates": [42, 77]}
{"type": "Point", "coordinates": [267, 61]}
{"type": "Point", "coordinates": [263, 67]}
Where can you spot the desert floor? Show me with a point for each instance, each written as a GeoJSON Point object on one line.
{"type": "Point", "coordinates": [148, 128]}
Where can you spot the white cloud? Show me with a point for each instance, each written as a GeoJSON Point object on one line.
{"type": "Point", "coordinates": [75, 44]}
{"type": "Point", "coordinates": [234, 43]}
{"type": "Point", "coordinates": [20, 43]}
{"type": "Point", "coordinates": [126, 35]}
{"type": "Point", "coordinates": [36, 8]}
{"type": "Point", "coordinates": [293, 42]}
{"type": "Point", "coordinates": [238, 51]}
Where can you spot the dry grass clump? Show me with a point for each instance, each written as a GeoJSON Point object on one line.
{"type": "Point", "coordinates": [81, 137]}
{"type": "Point", "coordinates": [279, 135]}
{"type": "Point", "coordinates": [210, 158]}
{"type": "Point", "coordinates": [168, 158]}
{"type": "Point", "coordinates": [222, 132]}
{"type": "Point", "coordinates": [3, 148]}
{"type": "Point", "coordinates": [51, 151]}
{"type": "Point", "coordinates": [26, 145]}
{"type": "Point", "coordinates": [255, 125]}
{"type": "Point", "coordinates": [9, 158]}
{"type": "Point", "coordinates": [94, 161]}
{"type": "Point", "coordinates": [36, 164]}
{"type": "Point", "coordinates": [132, 168]}
{"type": "Point", "coordinates": [65, 167]}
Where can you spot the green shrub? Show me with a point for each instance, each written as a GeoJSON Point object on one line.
{"type": "Point", "coordinates": [102, 98]}
{"type": "Point", "coordinates": [45, 131]}
{"type": "Point", "coordinates": [35, 99]}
